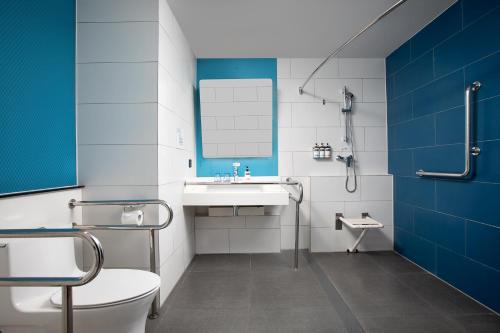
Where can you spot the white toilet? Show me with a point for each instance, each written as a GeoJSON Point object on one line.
{"type": "Point", "coordinates": [116, 301]}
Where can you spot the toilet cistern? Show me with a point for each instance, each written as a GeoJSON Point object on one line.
{"type": "Point", "coordinates": [236, 165]}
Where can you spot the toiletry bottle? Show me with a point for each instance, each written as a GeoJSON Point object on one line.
{"type": "Point", "coordinates": [316, 151]}
{"type": "Point", "coordinates": [328, 151]}
{"type": "Point", "coordinates": [247, 173]}
{"type": "Point", "coordinates": [321, 150]}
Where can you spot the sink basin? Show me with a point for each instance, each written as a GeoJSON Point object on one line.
{"type": "Point", "coordinates": [206, 193]}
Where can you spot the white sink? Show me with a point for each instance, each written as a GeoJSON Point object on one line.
{"type": "Point", "coordinates": [207, 193]}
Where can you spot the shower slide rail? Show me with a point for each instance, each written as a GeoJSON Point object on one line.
{"type": "Point", "coordinates": [468, 151]}
{"type": "Point", "coordinates": [296, 197]}
{"type": "Point", "coordinates": [65, 282]}
{"type": "Point", "coordinates": [154, 265]}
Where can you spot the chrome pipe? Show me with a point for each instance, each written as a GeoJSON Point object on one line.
{"type": "Point", "coordinates": [66, 283]}
{"type": "Point", "coordinates": [297, 227]}
{"type": "Point", "coordinates": [468, 150]}
{"type": "Point", "coordinates": [154, 267]}
{"type": "Point", "coordinates": [349, 41]}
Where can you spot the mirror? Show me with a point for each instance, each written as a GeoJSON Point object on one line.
{"type": "Point", "coordinates": [236, 117]}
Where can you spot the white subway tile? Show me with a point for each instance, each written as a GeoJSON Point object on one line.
{"type": "Point", "coordinates": [209, 150]}
{"type": "Point", "coordinates": [375, 139]}
{"type": "Point", "coordinates": [303, 67]}
{"type": "Point", "coordinates": [335, 137]}
{"type": "Point", "coordinates": [226, 149]}
{"type": "Point", "coordinates": [116, 11]}
{"type": "Point", "coordinates": [323, 213]}
{"type": "Point", "coordinates": [219, 222]}
{"type": "Point", "coordinates": [118, 165]}
{"type": "Point", "coordinates": [117, 83]}
{"type": "Point", "coordinates": [265, 122]}
{"type": "Point", "coordinates": [283, 68]}
{"type": "Point", "coordinates": [305, 165]}
{"type": "Point", "coordinates": [247, 122]}
{"type": "Point", "coordinates": [212, 241]}
{"type": "Point", "coordinates": [208, 123]}
{"type": "Point", "coordinates": [288, 237]}
{"type": "Point", "coordinates": [265, 93]}
{"type": "Point", "coordinates": [117, 123]}
{"type": "Point", "coordinates": [373, 90]}
{"type": "Point", "coordinates": [259, 222]}
{"type": "Point", "coordinates": [225, 123]}
{"type": "Point", "coordinates": [207, 95]}
{"type": "Point", "coordinates": [331, 240]}
{"type": "Point", "coordinates": [284, 115]}
{"type": "Point", "coordinates": [245, 94]}
{"type": "Point", "coordinates": [224, 95]}
{"type": "Point", "coordinates": [376, 187]}
{"type": "Point", "coordinates": [285, 164]}
{"type": "Point", "coordinates": [247, 149]}
{"type": "Point", "coordinates": [371, 163]}
{"type": "Point", "coordinates": [369, 114]}
{"type": "Point", "coordinates": [331, 189]}
{"type": "Point", "coordinates": [331, 89]}
{"type": "Point", "coordinates": [265, 149]}
{"type": "Point", "coordinates": [362, 67]}
{"type": "Point", "coordinates": [252, 108]}
{"type": "Point", "coordinates": [117, 42]}
{"type": "Point", "coordinates": [315, 115]}
{"type": "Point", "coordinates": [288, 91]}
{"type": "Point", "coordinates": [254, 240]}
{"type": "Point", "coordinates": [296, 139]}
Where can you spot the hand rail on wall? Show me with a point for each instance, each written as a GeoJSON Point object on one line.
{"type": "Point", "coordinates": [66, 282]}
{"type": "Point", "coordinates": [154, 266]}
{"type": "Point", "coordinates": [294, 196]}
{"type": "Point", "coordinates": [474, 151]}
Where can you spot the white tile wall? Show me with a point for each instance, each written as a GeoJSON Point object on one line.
{"type": "Point", "coordinates": [136, 76]}
{"type": "Point", "coordinates": [303, 121]}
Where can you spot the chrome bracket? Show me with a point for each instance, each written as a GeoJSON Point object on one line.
{"type": "Point", "coordinates": [475, 151]}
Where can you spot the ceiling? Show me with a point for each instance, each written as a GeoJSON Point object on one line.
{"type": "Point", "coordinates": [293, 28]}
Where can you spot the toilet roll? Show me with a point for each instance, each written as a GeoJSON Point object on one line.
{"type": "Point", "coordinates": [132, 216]}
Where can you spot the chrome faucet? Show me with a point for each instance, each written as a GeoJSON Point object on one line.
{"type": "Point", "coordinates": [236, 165]}
{"type": "Point", "coordinates": [346, 159]}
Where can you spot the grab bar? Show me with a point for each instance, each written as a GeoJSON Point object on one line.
{"type": "Point", "coordinates": [297, 198]}
{"type": "Point", "coordinates": [154, 266]}
{"type": "Point", "coordinates": [474, 151]}
{"type": "Point", "coordinates": [68, 282]}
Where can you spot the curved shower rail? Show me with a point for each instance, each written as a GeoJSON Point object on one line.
{"type": "Point", "coordinates": [349, 41]}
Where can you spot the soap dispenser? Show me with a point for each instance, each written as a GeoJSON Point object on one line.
{"type": "Point", "coordinates": [247, 173]}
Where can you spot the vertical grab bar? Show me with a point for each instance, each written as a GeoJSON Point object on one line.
{"type": "Point", "coordinates": [468, 131]}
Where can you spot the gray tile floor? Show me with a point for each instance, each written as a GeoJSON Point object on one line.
{"type": "Point", "coordinates": [331, 292]}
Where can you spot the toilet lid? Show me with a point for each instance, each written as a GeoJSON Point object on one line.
{"type": "Point", "coordinates": [112, 286]}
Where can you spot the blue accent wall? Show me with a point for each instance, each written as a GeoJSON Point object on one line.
{"type": "Point", "coordinates": [449, 227]}
{"type": "Point", "coordinates": [248, 68]}
{"type": "Point", "coordinates": [37, 94]}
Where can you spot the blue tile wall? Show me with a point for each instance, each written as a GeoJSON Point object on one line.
{"type": "Point", "coordinates": [449, 227]}
{"type": "Point", "coordinates": [37, 95]}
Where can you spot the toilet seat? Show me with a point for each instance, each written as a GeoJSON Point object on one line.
{"type": "Point", "coordinates": [112, 287]}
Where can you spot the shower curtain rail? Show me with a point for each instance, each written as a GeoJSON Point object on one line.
{"type": "Point", "coordinates": [154, 266]}
{"type": "Point", "coordinates": [346, 43]}
{"type": "Point", "coordinates": [66, 283]}
{"type": "Point", "coordinates": [474, 151]}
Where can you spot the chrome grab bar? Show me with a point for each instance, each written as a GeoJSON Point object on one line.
{"type": "Point", "coordinates": [468, 133]}
{"type": "Point", "coordinates": [67, 282]}
{"type": "Point", "coordinates": [154, 266]}
{"type": "Point", "coordinates": [297, 198]}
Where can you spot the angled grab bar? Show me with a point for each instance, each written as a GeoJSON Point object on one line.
{"type": "Point", "coordinates": [154, 266]}
{"type": "Point", "coordinates": [66, 282]}
{"type": "Point", "coordinates": [474, 151]}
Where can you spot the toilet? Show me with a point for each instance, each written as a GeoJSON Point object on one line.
{"type": "Point", "coordinates": [116, 301]}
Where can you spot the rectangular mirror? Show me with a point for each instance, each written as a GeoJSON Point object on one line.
{"type": "Point", "coordinates": [236, 117]}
